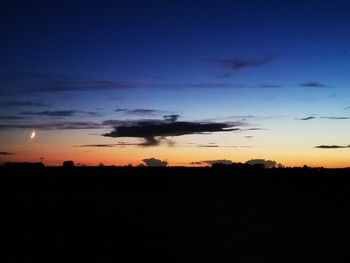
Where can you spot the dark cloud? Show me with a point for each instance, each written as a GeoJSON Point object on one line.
{"type": "Point", "coordinates": [23, 104]}
{"type": "Point", "coordinates": [6, 153]}
{"type": "Point", "coordinates": [171, 118]}
{"type": "Point", "coordinates": [265, 163]}
{"type": "Point", "coordinates": [306, 118]}
{"type": "Point", "coordinates": [119, 144]}
{"type": "Point", "coordinates": [196, 163]}
{"type": "Point", "coordinates": [237, 64]}
{"type": "Point", "coordinates": [60, 113]}
{"type": "Point", "coordinates": [153, 162]}
{"type": "Point", "coordinates": [313, 84]}
{"type": "Point", "coordinates": [332, 146]}
{"type": "Point", "coordinates": [153, 131]}
{"type": "Point", "coordinates": [96, 145]}
{"type": "Point", "coordinates": [223, 161]}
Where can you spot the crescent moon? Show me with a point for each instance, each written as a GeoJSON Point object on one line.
{"type": "Point", "coordinates": [32, 136]}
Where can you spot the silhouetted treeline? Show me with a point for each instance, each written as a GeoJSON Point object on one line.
{"type": "Point", "coordinates": [219, 214]}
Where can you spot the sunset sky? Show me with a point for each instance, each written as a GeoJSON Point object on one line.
{"type": "Point", "coordinates": [182, 81]}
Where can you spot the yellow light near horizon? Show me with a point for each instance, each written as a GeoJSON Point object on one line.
{"type": "Point", "coordinates": [32, 136]}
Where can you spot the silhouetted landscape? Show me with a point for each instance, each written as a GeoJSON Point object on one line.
{"type": "Point", "coordinates": [220, 213]}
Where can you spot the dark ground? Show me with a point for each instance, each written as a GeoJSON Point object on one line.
{"type": "Point", "coordinates": [107, 214]}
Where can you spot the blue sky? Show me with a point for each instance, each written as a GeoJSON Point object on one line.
{"type": "Point", "coordinates": [267, 64]}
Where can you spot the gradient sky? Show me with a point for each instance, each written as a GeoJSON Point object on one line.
{"type": "Point", "coordinates": [277, 72]}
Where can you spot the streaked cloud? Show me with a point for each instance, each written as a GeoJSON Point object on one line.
{"type": "Point", "coordinates": [12, 118]}
{"type": "Point", "coordinates": [23, 104]}
{"type": "Point", "coordinates": [6, 153]}
{"type": "Point", "coordinates": [335, 117]}
{"type": "Point", "coordinates": [332, 146]}
{"type": "Point", "coordinates": [240, 63]}
{"type": "Point", "coordinates": [306, 118]}
{"type": "Point", "coordinates": [60, 113]}
{"type": "Point", "coordinates": [119, 144]}
{"type": "Point", "coordinates": [142, 112]}
{"type": "Point", "coordinates": [313, 84]}
{"type": "Point", "coordinates": [54, 126]}
{"type": "Point", "coordinates": [222, 161]}
{"type": "Point", "coordinates": [34, 82]}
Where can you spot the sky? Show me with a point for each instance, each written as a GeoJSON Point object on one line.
{"type": "Point", "coordinates": [188, 82]}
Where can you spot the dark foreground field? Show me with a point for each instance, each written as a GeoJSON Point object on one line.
{"type": "Point", "coordinates": [174, 214]}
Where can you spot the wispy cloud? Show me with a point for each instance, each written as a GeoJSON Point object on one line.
{"type": "Point", "coordinates": [119, 144]}
{"type": "Point", "coordinates": [60, 113]}
{"type": "Point", "coordinates": [214, 145]}
{"type": "Point", "coordinates": [222, 85]}
{"type": "Point", "coordinates": [313, 84]}
{"type": "Point", "coordinates": [142, 112]}
{"type": "Point", "coordinates": [306, 118]}
{"type": "Point", "coordinates": [254, 129]}
{"type": "Point", "coordinates": [244, 117]}
{"type": "Point", "coordinates": [54, 126]}
{"type": "Point", "coordinates": [207, 146]}
{"type": "Point", "coordinates": [209, 85]}
{"type": "Point", "coordinates": [332, 146]}
{"type": "Point", "coordinates": [335, 117]}
{"type": "Point", "coordinates": [92, 85]}
{"type": "Point", "coordinates": [34, 82]}
{"type": "Point", "coordinates": [12, 118]}
{"type": "Point", "coordinates": [270, 86]}
{"type": "Point", "coordinates": [23, 104]}
{"type": "Point", "coordinates": [239, 63]}
{"type": "Point", "coordinates": [6, 153]}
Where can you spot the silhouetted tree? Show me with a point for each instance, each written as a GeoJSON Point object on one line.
{"type": "Point", "coordinates": [68, 164]}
